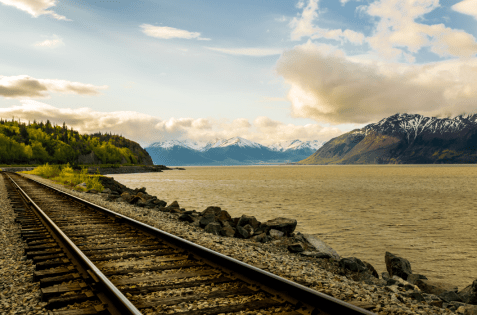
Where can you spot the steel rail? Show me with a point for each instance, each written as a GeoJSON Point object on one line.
{"type": "Point", "coordinates": [318, 301]}
{"type": "Point", "coordinates": [121, 305]}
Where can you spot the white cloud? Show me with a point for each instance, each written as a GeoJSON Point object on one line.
{"type": "Point", "coordinates": [256, 52]}
{"type": "Point", "coordinates": [397, 34]}
{"type": "Point", "coordinates": [54, 42]}
{"type": "Point", "coordinates": [304, 27]}
{"type": "Point", "coordinates": [36, 7]}
{"type": "Point", "coordinates": [329, 87]}
{"type": "Point", "coordinates": [468, 7]}
{"type": "Point", "coordinates": [166, 32]}
{"type": "Point", "coordinates": [146, 128]}
{"type": "Point", "coordinates": [23, 86]}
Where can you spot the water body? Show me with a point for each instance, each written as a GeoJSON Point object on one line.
{"type": "Point", "coordinates": [426, 214]}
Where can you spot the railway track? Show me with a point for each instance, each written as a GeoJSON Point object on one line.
{"type": "Point", "coordinates": [91, 260]}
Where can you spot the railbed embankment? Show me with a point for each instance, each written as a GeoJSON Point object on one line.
{"type": "Point", "coordinates": [321, 274]}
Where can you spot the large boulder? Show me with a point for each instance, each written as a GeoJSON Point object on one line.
{"type": "Point", "coordinates": [214, 210]}
{"type": "Point", "coordinates": [285, 225]}
{"type": "Point", "coordinates": [245, 219]}
{"type": "Point", "coordinates": [397, 266]}
{"type": "Point", "coordinates": [371, 269]}
{"type": "Point", "coordinates": [435, 287]}
{"type": "Point", "coordinates": [469, 293]}
{"type": "Point", "coordinates": [321, 246]}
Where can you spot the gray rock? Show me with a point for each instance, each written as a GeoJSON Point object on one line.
{"type": "Point", "coordinates": [241, 232]}
{"type": "Point", "coordinates": [353, 264]}
{"type": "Point", "coordinates": [415, 295]}
{"type": "Point", "coordinates": [249, 229]}
{"type": "Point", "coordinates": [296, 248]}
{"type": "Point", "coordinates": [187, 218]}
{"type": "Point", "coordinates": [397, 266]}
{"type": "Point", "coordinates": [469, 293]}
{"type": "Point", "coordinates": [276, 234]}
{"type": "Point", "coordinates": [223, 216]}
{"type": "Point", "coordinates": [455, 305]}
{"type": "Point", "coordinates": [227, 231]}
{"type": "Point", "coordinates": [371, 269]}
{"type": "Point", "coordinates": [106, 191]}
{"type": "Point", "coordinates": [321, 246]}
{"type": "Point", "coordinates": [207, 219]}
{"type": "Point", "coordinates": [435, 287]}
{"type": "Point", "coordinates": [414, 277]}
{"type": "Point", "coordinates": [261, 238]}
{"type": "Point", "coordinates": [385, 275]}
{"type": "Point", "coordinates": [450, 296]}
{"type": "Point", "coordinates": [245, 219]}
{"type": "Point", "coordinates": [213, 228]}
{"type": "Point", "coordinates": [285, 225]}
{"type": "Point", "coordinates": [174, 204]}
{"type": "Point", "coordinates": [213, 210]}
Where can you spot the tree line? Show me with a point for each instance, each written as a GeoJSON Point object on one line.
{"type": "Point", "coordinates": [38, 142]}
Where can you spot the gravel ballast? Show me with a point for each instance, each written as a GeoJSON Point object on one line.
{"type": "Point", "coordinates": [323, 275]}
{"type": "Point", "coordinates": [18, 293]}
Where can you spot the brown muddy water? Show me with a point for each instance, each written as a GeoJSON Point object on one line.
{"type": "Point", "coordinates": [426, 214]}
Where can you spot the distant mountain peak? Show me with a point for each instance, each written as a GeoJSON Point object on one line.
{"type": "Point", "coordinates": [404, 138]}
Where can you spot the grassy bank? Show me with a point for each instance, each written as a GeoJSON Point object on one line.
{"type": "Point", "coordinates": [66, 175]}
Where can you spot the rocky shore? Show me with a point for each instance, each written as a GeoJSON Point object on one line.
{"type": "Point", "coordinates": [127, 169]}
{"type": "Point", "coordinates": [277, 247]}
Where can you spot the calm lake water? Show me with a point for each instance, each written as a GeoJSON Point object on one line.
{"type": "Point", "coordinates": [426, 214]}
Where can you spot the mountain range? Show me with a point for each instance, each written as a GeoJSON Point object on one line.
{"type": "Point", "coordinates": [233, 151]}
{"type": "Point", "coordinates": [404, 139]}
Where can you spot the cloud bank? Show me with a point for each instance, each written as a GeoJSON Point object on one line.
{"type": "Point", "coordinates": [166, 32]}
{"type": "Point", "coordinates": [146, 129]}
{"type": "Point", "coordinates": [328, 87]}
{"type": "Point", "coordinates": [36, 7]}
{"type": "Point", "coordinates": [22, 86]}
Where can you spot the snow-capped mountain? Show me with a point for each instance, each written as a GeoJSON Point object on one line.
{"type": "Point", "coordinates": [235, 141]}
{"type": "Point", "coordinates": [233, 151]}
{"type": "Point", "coordinates": [296, 145]}
{"type": "Point", "coordinates": [404, 138]}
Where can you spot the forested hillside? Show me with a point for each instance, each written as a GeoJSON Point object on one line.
{"type": "Point", "coordinates": [39, 142]}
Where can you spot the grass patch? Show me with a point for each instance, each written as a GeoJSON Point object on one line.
{"type": "Point", "coordinates": [66, 175]}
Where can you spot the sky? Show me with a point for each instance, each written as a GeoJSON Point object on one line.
{"type": "Point", "coordinates": [267, 71]}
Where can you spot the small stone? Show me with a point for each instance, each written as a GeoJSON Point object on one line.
{"type": "Point", "coordinates": [353, 264]}
{"type": "Point", "coordinates": [174, 204]}
{"type": "Point", "coordinates": [227, 231]}
{"type": "Point", "coordinates": [296, 248]}
{"type": "Point", "coordinates": [241, 232]}
{"type": "Point", "coordinates": [276, 234]}
{"type": "Point", "coordinates": [213, 228]}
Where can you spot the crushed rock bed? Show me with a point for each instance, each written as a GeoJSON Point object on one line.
{"type": "Point", "coordinates": [18, 293]}
{"type": "Point", "coordinates": [323, 275]}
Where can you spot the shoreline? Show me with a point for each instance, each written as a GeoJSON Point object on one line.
{"type": "Point", "coordinates": [337, 272]}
